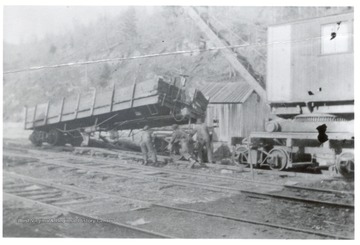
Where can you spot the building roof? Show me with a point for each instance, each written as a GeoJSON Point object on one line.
{"type": "Point", "coordinates": [226, 92]}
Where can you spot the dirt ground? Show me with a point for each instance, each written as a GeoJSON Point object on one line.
{"type": "Point", "coordinates": [176, 223]}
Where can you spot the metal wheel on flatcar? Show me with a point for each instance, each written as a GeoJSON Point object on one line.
{"type": "Point", "coordinates": [241, 155]}
{"type": "Point", "coordinates": [345, 164]}
{"type": "Point", "coordinates": [76, 138]}
{"type": "Point", "coordinates": [55, 138]}
{"type": "Point", "coordinates": [278, 159]}
{"type": "Point", "coordinates": [36, 138]}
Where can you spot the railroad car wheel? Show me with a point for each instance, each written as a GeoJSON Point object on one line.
{"type": "Point", "coordinates": [345, 164]}
{"type": "Point", "coordinates": [277, 159]}
{"type": "Point", "coordinates": [36, 138]}
{"type": "Point", "coordinates": [55, 137]}
{"type": "Point", "coordinates": [76, 139]}
{"type": "Point", "coordinates": [241, 155]}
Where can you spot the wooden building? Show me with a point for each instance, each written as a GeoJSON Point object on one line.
{"type": "Point", "coordinates": [234, 110]}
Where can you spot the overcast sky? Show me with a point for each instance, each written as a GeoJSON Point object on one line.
{"type": "Point", "coordinates": [22, 23]}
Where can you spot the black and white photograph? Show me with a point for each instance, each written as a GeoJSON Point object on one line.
{"type": "Point", "coordinates": [178, 121]}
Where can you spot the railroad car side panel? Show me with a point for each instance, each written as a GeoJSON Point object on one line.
{"type": "Point", "coordinates": [279, 63]}
{"type": "Point", "coordinates": [320, 64]}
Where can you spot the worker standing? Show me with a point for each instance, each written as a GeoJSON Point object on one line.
{"type": "Point", "coordinates": [203, 140]}
{"type": "Point", "coordinates": [146, 144]}
{"type": "Point", "coordinates": [180, 137]}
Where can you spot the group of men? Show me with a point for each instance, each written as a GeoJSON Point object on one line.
{"type": "Point", "coordinates": [194, 152]}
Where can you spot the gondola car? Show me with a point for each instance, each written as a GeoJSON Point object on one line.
{"type": "Point", "coordinates": [157, 102]}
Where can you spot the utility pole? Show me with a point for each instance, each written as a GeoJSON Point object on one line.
{"type": "Point", "coordinates": [229, 55]}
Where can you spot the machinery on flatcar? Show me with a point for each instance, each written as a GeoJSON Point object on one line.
{"type": "Point", "coordinates": [310, 89]}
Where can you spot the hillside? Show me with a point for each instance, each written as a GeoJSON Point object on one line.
{"type": "Point", "coordinates": [139, 31]}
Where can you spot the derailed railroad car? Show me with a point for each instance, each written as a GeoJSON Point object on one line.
{"type": "Point", "coordinates": [310, 89]}
{"type": "Point", "coordinates": [156, 102]}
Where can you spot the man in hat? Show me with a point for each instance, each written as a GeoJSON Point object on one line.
{"type": "Point", "coordinates": [146, 144]}
{"type": "Point", "coordinates": [203, 141]}
{"type": "Point", "coordinates": [180, 137]}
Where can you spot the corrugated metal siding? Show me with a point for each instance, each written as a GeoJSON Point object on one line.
{"type": "Point", "coordinates": [225, 92]}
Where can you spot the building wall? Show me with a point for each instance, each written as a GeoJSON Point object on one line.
{"type": "Point", "coordinates": [297, 62]}
{"type": "Point", "coordinates": [227, 116]}
{"type": "Point", "coordinates": [254, 114]}
{"type": "Point", "coordinates": [237, 120]}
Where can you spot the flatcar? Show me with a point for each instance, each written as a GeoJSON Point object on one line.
{"type": "Point", "coordinates": [310, 89]}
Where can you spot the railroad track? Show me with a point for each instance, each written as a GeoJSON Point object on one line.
{"type": "Point", "coordinates": [218, 182]}
{"type": "Point", "coordinates": [49, 197]}
{"type": "Point", "coordinates": [60, 197]}
{"type": "Point", "coordinates": [137, 155]}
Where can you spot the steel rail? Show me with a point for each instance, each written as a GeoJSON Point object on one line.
{"type": "Point", "coordinates": [196, 184]}
{"type": "Point", "coordinates": [95, 193]}
{"type": "Point", "coordinates": [217, 176]}
{"type": "Point", "coordinates": [199, 185]}
{"type": "Point", "coordinates": [86, 216]}
{"type": "Point", "coordinates": [318, 189]}
{"type": "Point", "coordinates": [162, 157]}
{"type": "Point", "coordinates": [306, 200]}
{"type": "Point", "coordinates": [206, 186]}
{"type": "Point", "coordinates": [117, 164]}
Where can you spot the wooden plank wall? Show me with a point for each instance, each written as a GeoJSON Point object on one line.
{"type": "Point", "coordinates": [254, 114]}
{"type": "Point", "coordinates": [237, 120]}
